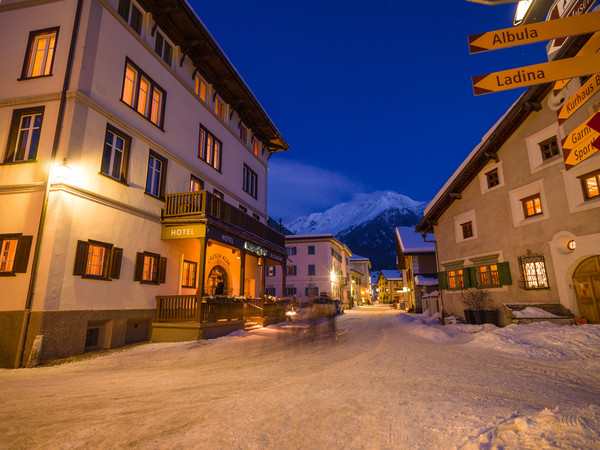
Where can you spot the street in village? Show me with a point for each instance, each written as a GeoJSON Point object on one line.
{"type": "Point", "coordinates": [374, 378]}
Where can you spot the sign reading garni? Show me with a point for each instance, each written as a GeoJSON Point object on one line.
{"type": "Point", "coordinates": [578, 99]}
{"type": "Point", "coordinates": [536, 32]}
{"type": "Point", "coordinates": [536, 74]}
{"type": "Point", "coordinates": [582, 142]}
{"type": "Point", "coordinates": [183, 231]}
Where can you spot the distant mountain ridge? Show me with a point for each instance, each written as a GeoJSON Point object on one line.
{"type": "Point", "coordinates": [366, 224]}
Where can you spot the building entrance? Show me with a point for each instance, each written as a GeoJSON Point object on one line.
{"type": "Point", "coordinates": [218, 282]}
{"type": "Point", "coordinates": [586, 280]}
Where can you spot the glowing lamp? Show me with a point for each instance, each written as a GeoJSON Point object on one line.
{"type": "Point", "coordinates": [62, 172]}
{"type": "Point", "coordinates": [571, 245]}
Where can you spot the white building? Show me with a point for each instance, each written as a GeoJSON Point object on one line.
{"type": "Point", "coordinates": [316, 264]}
{"type": "Point", "coordinates": [133, 175]}
{"type": "Point", "coordinates": [361, 280]}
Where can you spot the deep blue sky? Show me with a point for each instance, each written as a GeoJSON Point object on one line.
{"type": "Point", "coordinates": [369, 94]}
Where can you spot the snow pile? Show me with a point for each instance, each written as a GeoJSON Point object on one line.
{"type": "Point", "coordinates": [533, 313]}
{"type": "Point", "coordinates": [555, 428]}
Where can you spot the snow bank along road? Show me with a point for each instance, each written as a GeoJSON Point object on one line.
{"type": "Point", "coordinates": [378, 380]}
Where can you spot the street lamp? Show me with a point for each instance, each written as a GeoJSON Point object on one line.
{"type": "Point", "coordinates": [528, 11]}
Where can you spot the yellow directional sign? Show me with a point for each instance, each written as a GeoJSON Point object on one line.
{"type": "Point", "coordinates": [578, 99]}
{"type": "Point", "coordinates": [536, 74]}
{"type": "Point", "coordinates": [536, 32]}
{"type": "Point", "coordinates": [591, 46]}
{"type": "Point", "coordinates": [577, 146]}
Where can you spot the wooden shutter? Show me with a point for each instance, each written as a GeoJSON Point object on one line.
{"type": "Point", "coordinates": [80, 258]}
{"type": "Point", "coordinates": [22, 255]}
{"type": "Point", "coordinates": [504, 274]}
{"type": "Point", "coordinates": [139, 267]}
{"type": "Point", "coordinates": [162, 270]}
{"type": "Point", "coordinates": [470, 277]}
{"type": "Point", "coordinates": [442, 280]}
{"type": "Point", "coordinates": [115, 263]}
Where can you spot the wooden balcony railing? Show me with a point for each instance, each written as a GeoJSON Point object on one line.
{"type": "Point", "coordinates": [182, 308]}
{"type": "Point", "coordinates": [204, 203]}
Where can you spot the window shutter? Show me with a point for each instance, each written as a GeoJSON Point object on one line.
{"type": "Point", "coordinates": [115, 264]}
{"type": "Point", "coordinates": [442, 280]}
{"type": "Point", "coordinates": [139, 267]}
{"type": "Point", "coordinates": [470, 277]}
{"type": "Point", "coordinates": [80, 258]}
{"type": "Point", "coordinates": [22, 256]}
{"type": "Point", "coordinates": [306, 292]}
{"type": "Point", "coordinates": [504, 273]}
{"type": "Point", "coordinates": [162, 271]}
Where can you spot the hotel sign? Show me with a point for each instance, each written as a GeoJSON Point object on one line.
{"type": "Point", "coordinates": [183, 231]}
{"type": "Point", "coordinates": [256, 249]}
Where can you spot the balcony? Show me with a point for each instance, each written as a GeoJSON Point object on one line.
{"type": "Point", "coordinates": [204, 205]}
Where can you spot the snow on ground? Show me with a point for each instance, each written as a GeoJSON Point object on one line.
{"type": "Point", "coordinates": [372, 378]}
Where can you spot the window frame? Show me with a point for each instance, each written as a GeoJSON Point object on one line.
{"type": "Point", "coordinates": [111, 264]}
{"type": "Point", "coordinates": [492, 178]}
{"type": "Point", "coordinates": [158, 275]}
{"type": "Point", "coordinates": [186, 274]}
{"type": "Point", "coordinates": [206, 138]}
{"type": "Point", "coordinates": [148, 109]}
{"type": "Point", "coordinates": [554, 152]}
{"type": "Point", "coordinates": [456, 280]}
{"type": "Point", "coordinates": [220, 108]}
{"type": "Point", "coordinates": [29, 62]}
{"type": "Point", "coordinates": [199, 82]}
{"type": "Point", "coordinates": [195, 179]}
{"type": "Point", "coordinates": [271, 271]}
{"type": "Point", "coordinates": [255, 146]}
{"type": "Point", "coordinates": [14, 135]}
{"type": "Point", "coordinates": [312, 270]}
{"type": "Point", "coordinates": [163, 48]}
{"type": "Point", "coordinates": [467, 229]}
{"type": "Point", "coordinates": [486, 277]}
{"type": "Point", "coordinates": [584, 187]}
{"type": "Point", "coordinates": [525, 275]}
{"type": "Point", "coordinates": [131, 7]}
{"type": "Point", "coordinates": [163, 175]}
{"type": "Point", "coordinates": [532, 199]}
{"type": "Point", "coordinates": [21, 253]}
{"type": "Point", "coordinates": [291, 250]}
{"type": "Point", "coordinates": [250, 182]}
{"type": "Point", "coordinates": [311, 250]}
{"type": "Point", "coordinates": [292, 270]}
{"type": "Point", "coordinates": [124, 167]}
{"type": "Point", "coordinates": [290, 291]}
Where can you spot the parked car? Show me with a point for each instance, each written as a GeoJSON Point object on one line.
{"type": "Point", "coordinates": [339, 307]}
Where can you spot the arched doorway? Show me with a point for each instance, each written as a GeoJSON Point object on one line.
{"type": "Point", "coordinates": [586, 280]}
{"type": "Point", "coordinates": [218, 282]}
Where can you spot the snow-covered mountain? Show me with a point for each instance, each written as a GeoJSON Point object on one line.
{"type": "Point", "coordinates": [363, 208]}
{"type": "Point", "coordinates": [366, 224]}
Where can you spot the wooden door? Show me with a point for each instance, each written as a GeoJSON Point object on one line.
{"type": "Point", "coordinates": [586, 280]}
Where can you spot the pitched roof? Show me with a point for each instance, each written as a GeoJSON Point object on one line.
{"type": "Point", "coordinates": [391, 274]}
{"type": "Point", "coordinates": [410, 241]}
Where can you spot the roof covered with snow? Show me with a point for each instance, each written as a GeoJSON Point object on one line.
{"type": "Point", "coordinates": [410, 241]}
{"type": "Point", "coordinates": [420, 280]}
{"type": "Point", "coordinates": [391, 274]}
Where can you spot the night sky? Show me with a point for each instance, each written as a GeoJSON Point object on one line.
{"type": "Point", "coordinates": [370, 95]}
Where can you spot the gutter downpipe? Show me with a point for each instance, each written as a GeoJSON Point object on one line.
{"type": "Point", "coordinates": [42, 222]}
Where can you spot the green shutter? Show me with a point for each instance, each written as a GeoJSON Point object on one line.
{"type": "Point", "coordinates": [162, 271]}
{"type": "Point", "coordinates": [115, 264]}
{"type": "Point", "coordinates": [139, 267]}
{"type": "Point", "coordinates": [504, 274]}
{"type": "Point", "coordinates": [22, 256]}
{"type": "Point", "coordinates": [80, 258]}
{"type": "Point", "coordinates": [442, 280]}
{"type": "Point", "coordinates": [470, 277]}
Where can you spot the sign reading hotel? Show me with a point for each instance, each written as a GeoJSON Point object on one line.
{"type": "Point", "coordinates": [182, 231]}
{"type": "Point", "coordinates": [537, 74]}
{"type": "Point", "coordinates": [578, 99]}
{"type": "Point", "coordinates": [582, 142]}
{"type": "Point", "coordinates": [536, 32]}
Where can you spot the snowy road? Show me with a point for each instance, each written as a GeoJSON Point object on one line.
{"type": "Point", "coordinates": [379, 380]}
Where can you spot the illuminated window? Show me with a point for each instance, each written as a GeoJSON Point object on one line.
{"type": "Point", "coordinates": [163, 48]}
{"type": "Point", "coordinates": [189, 274]}
{"type": "Point", "coordinates": [549, 148]}
{"type": "Point", "coordinates": [209, 149]}
{"type": "Point", "coordinates": [271, 271]}
{"type": "Point", "coordinates": [492, 178]}
{"type": "Point", "coordinates": [150, 268]}
{"type": "Point", "coordinates": [220, 108]}
{"type": "Point", "coordinates": [196, 184]}
{"type": "Point", "coordinates": [24, 135]}
{"type": "Point", "coordinates": [98, 260]}
{"type": "Point", "coordinates": [255, 146]}
{"type": "Point", "coordinates": [218, 194]}
{"type": "Point", "coordinates": [291, 270]}
{"type": "Point", "coordinates": [156, 174]}
{"type": "Point", "coordinates": [243, 133]}
{"type": "Point", "coordinates": [116, 154]}
{"type": "Point", "coordinates": [590, 184]}
{"type": "Point", "coordinates": [143, 94]}
{"type": "Point", "coordinates": [201, 88]}
{"type": "Point", "coordinates": [132, 14]}
{"type": "Point", "coordinates": [455, 279]}
{"type": "Point", "coordinates": [467, 229]}
{"type": "Point", "coordinates": [488, 276]}
{"type": "Point", "coordinates": [8, 253]}
{"type": "Point", "coordinates": [40, 53]}
{"type": "Point", "coordinates": [250, 182]}
{"type": "Point", "coordinates": [533, 273]}
{"type": "Point", "coordinates": [532, 206]}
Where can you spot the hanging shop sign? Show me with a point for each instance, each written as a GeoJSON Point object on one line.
{"type": "Point", "coordinates": [579, 98]}
{"type": "Point", "coordinates": [536, 32]}
{"type": "Point", "coordinates": [536, 74]}
{"type": "Point", "coordinates": [582, 142]}
{"type": "Point", "coordinates": [223, 237]}
{"type": "Point", "coordinates": [256, 249]}
{"type": "Point", "coordinates": [183, 231]}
